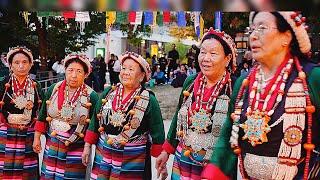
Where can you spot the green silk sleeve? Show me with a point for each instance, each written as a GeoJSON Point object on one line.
{"type": "Point", "coordinates": [223, 156]}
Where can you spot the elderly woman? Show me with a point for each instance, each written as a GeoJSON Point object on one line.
{"type": "Point", "coordinates": [201, 110]}
{"type": "Point", "coordinates": [19, 105]}
{"type": "Point", "coordinates": [128, 126]}
{"type": "Point", "coordinates": [63, 119]}
{"type": "Point", "coordinates": [275, 108]}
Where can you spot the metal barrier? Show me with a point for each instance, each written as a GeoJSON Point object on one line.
{"type": "Point", "coordinates": [46, 83]}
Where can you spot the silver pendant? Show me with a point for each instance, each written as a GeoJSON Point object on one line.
{"type": "Point", "coordinates": [60, 126]}
{"type": "Point", "coordinates": [66, 112]}
{"type": "Point", "coordinates": [200, 121]}
{"type": "Point", "coordinates": [117, 118]}
{"type": "Point", "coordinates": [20, 102]}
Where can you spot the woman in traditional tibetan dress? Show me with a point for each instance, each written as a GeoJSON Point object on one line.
{"type": "Point", "coordinates": [128, 127]}
{"type": "Point", "coordinates": [202, 109]}
{"type": "Point", "coordinates": [19, 105]}
{"type": "Point", "coordinates": [273, 124]}
{"type": "Point", "coordinates": [63, 119]}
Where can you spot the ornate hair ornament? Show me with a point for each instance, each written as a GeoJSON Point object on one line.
{"type": "Point", "coordinates": [81, 57]}
{"type": "Point", "coordinates": [226, 38]}
{"type": "Point", "coordinates": [140, 60]}
{"type": "Point", "coordinates": [13, 50]}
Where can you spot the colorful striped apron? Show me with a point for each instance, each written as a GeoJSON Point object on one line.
{"type": "Point", "coordinates": [184, 167]}
{"type": "Point", "coordinates": [17, 159]}
{"type": "Point", "coordinates": [127, 163]}
{"type": "Point", "coordinates": [63, 162]}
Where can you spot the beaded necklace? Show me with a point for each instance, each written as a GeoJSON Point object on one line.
{"type": "Point", "coordinates": [23, 97]}
{"type": "Point", "coordinates": [309, 109]}
{"type": "Point", "coordinates": [118, 116]}
{"type": "Point", "coordinates": [200, 116]}
{"type": "Point", "coordinates": [120, 106]}
{"type": "Point", "coordinates": [67, 109]}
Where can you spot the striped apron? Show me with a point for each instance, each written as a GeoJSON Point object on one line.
{"type": "Point", "coordinates": [131, 162]}
{"type": "Point", "coordinates": [184, 167]}
{"type": "Point", "coordinates": [60, 161]}
{"type": "Point", "coordinates": [17, 159]}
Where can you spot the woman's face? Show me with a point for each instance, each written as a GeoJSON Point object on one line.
{"type": "Point", "coordinates": [265, 40]}
{"type": "Point", "coordinates": [20, 65]}
{"type": "Point", "coordinates": [131, 75]}
{"type": "Point", "coordinates": [212, 59]}
{"type": "Point", "coordinates": [75, 75]}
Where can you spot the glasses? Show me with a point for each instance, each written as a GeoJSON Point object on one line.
{"type": "Point", "coordinates": [261, 29]}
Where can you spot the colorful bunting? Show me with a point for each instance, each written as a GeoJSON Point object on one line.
{"type": "Point", "coordinates": [154, 18]}
{"type": "Point", "coordinates": [201, 26]}
{"type": "Point", "coordinates": [69, 14]}
{"type": "Point", "coordinates": [181, 19]}
{"type": "Point", "coordinates": [110, 17]}
{"type": "Point", "coordinates": [160, 19]}
{"type": "Point", "coordinates": [148, 18]}
{"type": "Point", "coordinates": [82, 18]}
{"type": "Point", "coordinates": [138, 18]}
{"type": "Point", "coordinates": [122, 17]}
{"type": "Point", "coordinates": [197, 23]}
{"type": "Point", "coordinates": [166, 16]}
{"type": "Point", "coordinates": [132, 16]}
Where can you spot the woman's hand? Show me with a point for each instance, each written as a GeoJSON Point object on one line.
{"type": "Point", "coordinates": [37, 142]}
{"type": "Point", "coordinates": [163, 174]}
{"type": "Point", "coordinates": [161, 163]}
{"type": "Point", "coordinates": [86, 154]}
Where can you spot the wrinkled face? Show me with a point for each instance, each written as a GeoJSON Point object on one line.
{"type": "Point", "coordinates": [21, 65]}
{"type": "Point", "coordinates": [212, 59]}
{"type": "Point", "coordinates": [131, 74]}
{"type": "Point", "coordinates": [75, 75]}
{"type": "Point", "coordinates": [265, 39]}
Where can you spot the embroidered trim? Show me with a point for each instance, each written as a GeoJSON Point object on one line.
{"type": "Point", "coordinates": [136, 113]}
{"type": "Point", "coordinates": [82, 108]}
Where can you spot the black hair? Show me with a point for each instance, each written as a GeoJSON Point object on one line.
{"type": "Point", "coordinates": [77, 60]}
{"type": "Point", "coordinates": [10, 58]}
{"type": "Point", "coordinates": [225, 46]}
{"type": "Point", "coordinates": [283, 26]}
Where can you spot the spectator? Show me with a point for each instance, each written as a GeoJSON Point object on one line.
{"type": "Point", "coordinates": [110, 69]}
{"type": "Point", "coordinates": [96, 74]}
{"type": "Point", "coordinates": [195, 47]}
{"type": "Point", "coordinates": [245, 68]}
{"type": "Point", "coordinates": [159, 76]}
{"type": "Point", "coordinates": [35, 67]}
{"type": "Point", "coordinates": [148, 59]}
{"type": "Point", "coordinates": [173, 56]}
{"type": "Point", "coordinates": [154, 63]}
{"type": "Point", "coordinates": [180, 76]}
{"type": "Point", "coordinates": [4, 70]}
{"type": "Point", "coordinates": [190, 56]}
{"type": "Point", "coordinates": [116, 69]}
{"type": "Point", "coordinates": [58, 67]}
{"type": "Point", "coordinates": [192, 69]}
{"type": "Point", "coordinates": [102, 71]}
{"type": "Point", "coordinates": [163, 62]}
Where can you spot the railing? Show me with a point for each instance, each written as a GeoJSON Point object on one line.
{"type": "Point", "coordinates": [46, 83]}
